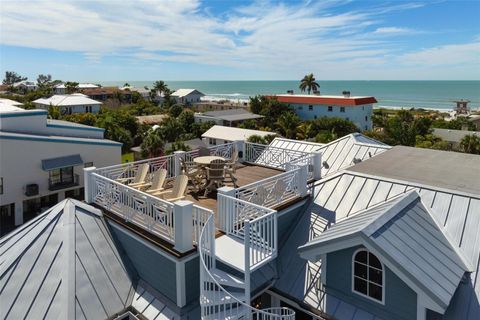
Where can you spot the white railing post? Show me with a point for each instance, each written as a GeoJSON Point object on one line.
{"type": "Point", "coordinates": [303, 180]}
{"type": "Point", "coordinates": [183, 225]}
{"type": "Point", "coordinates": [225, 208]}
{"type": "Point", "coordinates": [239, 148]}
{"type": "Point", "coordinates": [317, 165]}
{"type": "Point", "coordinates": [88, 183]}
{"type": "Point", "coordinates": [178, 165]}
{"type": "Point", "coordinates": [247, 263]}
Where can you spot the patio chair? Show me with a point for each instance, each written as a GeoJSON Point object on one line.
{"type": "Point", "coordinates": [158, 181]}
{"type": "Point", "coordinates": [193, 172]}
{"type": "Point", "coordinates": [215, 175]}
{"type": "Point", "coordinates": [177, 192]}
{"type": "Point", "coordinates": [139, 178]}
{"type": "Point", "coordinates": [203, 152]}
{"type": "Point", "coordinates": [230, 168]}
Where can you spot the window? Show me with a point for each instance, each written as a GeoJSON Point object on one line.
{"type": "Point", "coordinates": [61, 178]}
{"type": "Point", "coordinates": [310, 107]}
{"type": "Point", "coordinates": [1, 185]}
{"type": "Point", "coordinates": [300, 108]}
{"type": "Point", "coordinates": [368, 276]}
{"type": "Point", "coordinates": [330, 108]}
{"type": "Point", "coordinates": [366, 118]}
{"type": "Point", "coordinates": [212, 142]}
{"type": "Point", "coordinates": [88, 109]}
{"type": "Point", "coordinates": [342, 109]}
{"type": "Point", "coordinates": [88, 164]}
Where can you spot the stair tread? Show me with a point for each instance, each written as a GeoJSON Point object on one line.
{"type": "Point", "coordinates": [226, 279]}
{"type": "Point", "coordinates": [233, 314]}
{"type": "Point", "coordinates": [208, 297]}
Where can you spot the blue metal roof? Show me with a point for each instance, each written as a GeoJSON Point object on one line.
{"type": "Point", "coordinates": [61, 162]}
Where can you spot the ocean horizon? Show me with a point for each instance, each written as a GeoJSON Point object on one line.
{"type": "Point", "coordinates": [428, 94]}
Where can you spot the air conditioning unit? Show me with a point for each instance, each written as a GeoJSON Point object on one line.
{"type": "Point", "coordinates": [31, 189]}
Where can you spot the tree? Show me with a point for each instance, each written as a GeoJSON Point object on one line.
{"type": "Point", "coordinates": [119, 126]}
{"type": "Point", "coordinates": [248, 124]}
{"type": "Point", "coordinates": [152, 145]}
{"type": "Point", "coordinates": [71, 87]}
{"type": "Point", "coordinates": [176, 146]}
{"type": "Point", "coordinates": [332, 125]}
{"type": "Point", "coordinates": [308, 83]}
{"type": "Point", "coordinates": [171, 129]}
{"type": "Point", "coordinates": [186, 119]}
{"type": "Point", "coordinates": [54, 112]}
{"type": "Point", "coordinates": [126, 84]}
{"type": "Point", "coordinates": [175, 110]}
{"type": "Point", "coordinates": [326, 136]}
{"type": "Point", "coordinates": [304, 131]}
{"type": "Point", "coordinates": [200, 128]}
{"type": "Point", "coordinates": [287, 124]}
{"type": "Point", "coordinates": [431, 141]}
{"type": "Point", "coordinates": [12, 77]}
{"type": "Point", "coordinates": [470, 144]}
{"type": "Point", "coordinates": [43, 80]}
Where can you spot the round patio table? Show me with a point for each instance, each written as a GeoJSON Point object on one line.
{"type": "Point", "coordinates": [205, 161]}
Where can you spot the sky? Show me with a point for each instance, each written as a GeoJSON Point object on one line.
{"type": "Point", "coordinates": [114, 40]}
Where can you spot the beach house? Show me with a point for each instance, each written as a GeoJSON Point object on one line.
{"type": "Point", "coordinates": [353, 108]}
{"type": "Point", "coordinates": [217, 134]}
{"type": "Point", "coordinates": [25, 85]}
{"type": "Point", "coordinates": [230, 118]}
{"type": "Point", "coordinates": [41, 162]}
{"type": "Point", "coordinates": [62, 89]}
{"type": "Point", "coordinates": [187, 96]}
{"type": "Point", "coordinates": [69, 103]}
{"type": "Point", "coordinates": [353, 229]}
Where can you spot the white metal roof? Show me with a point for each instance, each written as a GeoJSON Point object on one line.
{"type": "Point", "coordinates": [67, 100]}
{"type": "Point", "coordinates": [232, 133]}
{"type": "Point", "coordinates": [7, 105]}
{"type": "Point", "coordinates": [403, 231]}
{"type": "Point", "coordinates": [63, 265]}
{"type": "Point", "coordinates": [185, 92]}
{"type": "Point", "coordinates": [296, 145]}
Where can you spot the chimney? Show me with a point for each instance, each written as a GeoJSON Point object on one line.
{"type": "Point", "coordinates": [289, 91]}
{"type": "Point", "coordinates": [346, 94]}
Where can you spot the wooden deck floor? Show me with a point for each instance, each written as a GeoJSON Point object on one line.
{"type": "Point", "coordinates": [245, 174]}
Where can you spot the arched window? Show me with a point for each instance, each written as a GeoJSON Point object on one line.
{"type": "Point", "coordinates": [368, 275]}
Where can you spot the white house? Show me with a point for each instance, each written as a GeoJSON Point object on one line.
{"type": "Point", "coordinates": [220, 134]}
{"type": "Point", "coordinates": [187, 96]}
{"type": "Point", "coordinates": [62, 89]}
{"type": "Point", "coordinates": [230, 118]}
{"type": "Point", "coordinates": [9, 105]}
{"type": "Point", "coordinates": [42, 161]}
{"type": "Point", "coordinates": [25, 85]}
{"type": "Point", "coordinates": [354, 108]}
{"type": "Point", "coordinates": [70, 103]}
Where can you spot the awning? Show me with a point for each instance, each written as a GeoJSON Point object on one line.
{"type": "Point", "coordinates": [61, 162]}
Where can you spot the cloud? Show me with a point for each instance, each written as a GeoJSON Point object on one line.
{"type": "Point", "coordinates": [446, 55]}
{"type": "Point", "coordinates": [271, 37]}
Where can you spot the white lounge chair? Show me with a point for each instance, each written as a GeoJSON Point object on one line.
{"type": "Point", "coordinates": [158, 181]}
{"type": "Point", "coordinates": [139, 177]}
{"type": "Point", "coordinates": [177, 192]}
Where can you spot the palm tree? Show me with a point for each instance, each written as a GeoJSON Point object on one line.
{"type": "Point", "coordinates": [304, 131]}
{"type": "Point", "coordinates": [308, 83]}
{"type": "Point", "coordinates": [160, 86]}
{"type": "Point", "coordinates": [152, 145]}
{"type": "Point", "coordinates": [287, 124]}
{"type": "Point", "coordinates": [470, 144]}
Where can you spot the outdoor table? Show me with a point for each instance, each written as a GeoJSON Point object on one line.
{"type": "Point", "coordinates": [206, 160]}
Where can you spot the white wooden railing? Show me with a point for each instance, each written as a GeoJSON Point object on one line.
{"type": "Point", "coordinates": [306, 160]}
{"type": "Point", "coordinates": [128, 170]}
{"type": "Point", "coordinates": [151, 213]}
{"type": "Point", "coordinates": [276, 190]}
{"type": "Point", "coordinates": [270, 156]}
{"type": "Point", "coordinates": [222, 150]}
{"type": "Point", "coordinates": [200, 216]}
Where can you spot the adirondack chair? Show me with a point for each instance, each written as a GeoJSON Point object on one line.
{"type": "Point", "coordinates": [215, 175]}
{"type": "Point", "coordinates": [177, 192]}
{"type": "Point", "coordinates": [138, 178]}
{"type": "Point", "coordinates": [194, 174]}
{"type": "Point", "coordinates": [157, 182]}
{"type": "Point", "coordinates": [230, 168]}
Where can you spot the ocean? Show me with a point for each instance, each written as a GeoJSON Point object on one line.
{"type": "Point", "coordinates": [390, 94]}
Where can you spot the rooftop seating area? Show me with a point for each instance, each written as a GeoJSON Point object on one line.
{"type": "Point", "coordinates": [190, 198]}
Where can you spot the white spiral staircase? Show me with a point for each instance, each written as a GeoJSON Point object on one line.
{"type": "Point", "coordinates": [246, 246]}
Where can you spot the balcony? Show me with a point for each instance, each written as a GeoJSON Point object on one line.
{"type": "Point", "coordinates": [58, 184]}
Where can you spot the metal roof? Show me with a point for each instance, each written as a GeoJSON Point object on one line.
{"type": "Point", "coordinates": [61, 162]}
{"type": "Point", "coordinates": [402, 230]}
{"type": "Point", "coordinates": [63, 264]}
{"type": "Point", "coordinates": [232, 115]}
{"type": "Point", "coordinates": [296, 145]}
{"type": "Point", "coordinates": [348, 193]}
{"type": "Point", "coordinates": [185, 92]}
{"type": "Point", "coordinates": [449, 170]}
{"type": "Point", "coordinates": [67, 100]}
{"type": "Point", "coordinates": [453, 135]}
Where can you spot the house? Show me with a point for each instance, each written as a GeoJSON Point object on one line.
{"type": "Point", "coordinates": [41, 162]}
{"type": "Point", "coordinates": [217, 135]}
{"type": "Point", "coordinates": [144, 92]}
{"type": "Point", "coordinates": [454, 137]}
{"type": "Point", "coordinates": [187, 96]}
{"type": "Point", "coordinates": [105, 93]}
{"type": "Point", "coordinates": [230, 118]}
{"type": "Point", "coordinates": [10, 105]}
{"type": "Point", "coordinates": [25, 85]}
{"type": "Point", "coordinates": [69, 103]}
{"type": "Point", "coordinates": [388, 237]}
{"type": "Point", "coordinates": [62, 89]}
{"type": "Point", "coordinates": [203, 106]}
{"type": "Point", "coordinates": [353, 108]}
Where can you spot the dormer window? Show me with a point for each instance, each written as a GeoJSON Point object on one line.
{"type": "Point", "coordinates": [368, 275]}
